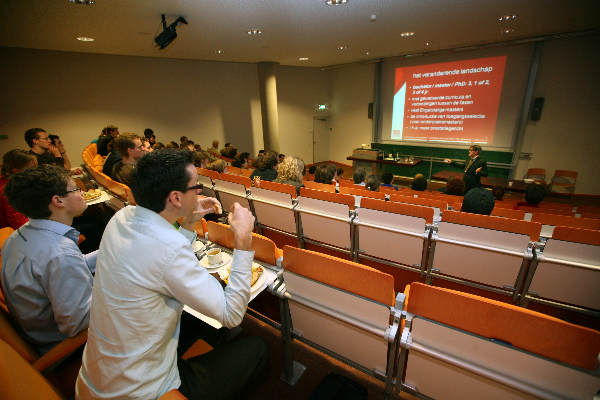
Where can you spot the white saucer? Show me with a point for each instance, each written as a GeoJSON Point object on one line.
{"type": "Point", "coordinates": [198, 246]}
{"type": "Point", "coordinates": [213, 268]}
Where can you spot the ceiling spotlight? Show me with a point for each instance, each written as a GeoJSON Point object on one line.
{"type": "Point", "coordinates": [427, 44]}
{"type": "Point", "coordinates": [342, 47]}
{"type": "Point", "coordinates": [407, 34]}
{"type": "Point", "coordinates": [254, 32]}
{"type": "Point", "coordinates": [302, 58]}
{"type": "Point", "coordinates": [168, 34]}
{"type": "Point", "coordinates": [335, 2]}
{"type": "Point", "coordinates": [219, 52]}
{"type": "Point", "coordinates": [507, 31]}
{"type": "Point", "coordinates": [85, 39]}
{"type": "Point", "coordinates": [83, 2]}
{"type": "Point", "coordinates": [507, 18]}
{"type": "Point", "coordinates": [367, 52]}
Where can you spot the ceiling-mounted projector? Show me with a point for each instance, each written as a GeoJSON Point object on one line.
{"type": "Point", "coordinates": [168, 34]}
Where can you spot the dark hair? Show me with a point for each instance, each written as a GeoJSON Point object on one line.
{"type": "Point", "coordinates": [183, 139]}
{"type": "Point", "coordinates": [148, 132]}
{"type": "Point", "coordinates": [324, 173]}
{"type": "Point", "coordinates": [312, 169]}
{"type": "Point", "coordinates": [31, 134]}
{"type": "Point", "coordinates": [340, 171]}
{"type": "Point", "coordinates": [172, 145]}
{"type": "Point", "coordinates": [372, 183]}
{"type": "Point", "coordinates": [229, 152]}
{"type": "Point", "coordinates": [217, 165]}
{"type": "Point", "coordinates": [281, 156]}
{"type": "Point", "coordinates": [534, 193]}
{"type": "Point", "coordinates": [158, 146]}
{"type": "Point", "coordinates": [159, 173]}
{"type": "Point", "coordinates": [359, 175]}
{"type": "Point", "coordinates": [387, 178]}
{"type": "Point", "coordinates": [124, 142]}
{"type": "Point", "coordinates": [476, 148]}
{"type": "Point", "coordinates": [240, 159]}
{"type": "Point", "coordinates": [53, 138]}
{"type": "Point", "coordinates": [107, 130]}
{"type": "Point", "coordinates": [15, 159]}
{"type": "Point", "coordinates": [456, 187]}
{"type": "Point", "coordinates": [419, 183]}
{"type": "Point", "coordinates": [30, 192]}
{"type": "Point", "coordinates": [498, 192]}
{"type": "Point", "coordinates": [478, 201]}
{"type": "Point", "coordinates": [267, 160]}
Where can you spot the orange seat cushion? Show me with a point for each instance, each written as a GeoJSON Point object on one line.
{"type": "Point", "coordinates": [532, 229]}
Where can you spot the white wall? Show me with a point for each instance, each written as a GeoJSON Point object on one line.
{"type": "Point", "coordinates": [74, 95]}
{"type": "Point", "coordinates": [352, 89]}
{"type": "Point", "coordinates": [567, 135]}
{"type": "Point", "coordinates": [299, 90]}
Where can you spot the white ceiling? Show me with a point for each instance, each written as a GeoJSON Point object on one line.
{"type": "Point", "coordinates": [291, 28]}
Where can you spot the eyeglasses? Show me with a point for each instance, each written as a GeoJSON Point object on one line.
{"type": "Point", "coordinates": [71, 191]}
{"type": "Point", "coordinates": [43, 138]}
{"type": "Point", "coordinates": [195, 187]}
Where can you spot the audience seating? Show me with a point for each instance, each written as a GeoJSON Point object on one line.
{"type": "Point", "coordinates": [460, 346]}
{"type": "Point", "coordinates": [263, 247]}
{"type": "Point", "coordinates": [537, 174]}
{"type": "Point", "coordinates": [567, 272]}
{"type": "Point", "coordinates": [206, 177]}
{"type": "Point", "coordinates": [508, 213]}
{"type": "Point", "coordinates": [274, 207]}
{"type": "Point", "coordinates": [246, 172]}
{"type": "Point", "coordinates": [232, 188]}
{"type": "Point", "coordinates": [91, 157]}
{"type": "Point", "coordinates": [345, 182]}
{"type": "Point", "coordinates": [486, 252]}
{"type": "Point", "coordinates": [563, 181]}
{"type": "Point", "coordinates": [340, 307]}
{"type": "Point", "coordinates": [362, 192]}
{"type": "Point", "coordinates": [325, 219]}
{"type": "Point", "coordinates": [437, 205]}
{"type": "Point", "coordinates": [324, 187]}
{"type": "Point", "coordinates": [563, 220]}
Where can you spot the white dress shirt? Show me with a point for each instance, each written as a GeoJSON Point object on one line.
{"type": "Point", "coordinates": [146, 271]}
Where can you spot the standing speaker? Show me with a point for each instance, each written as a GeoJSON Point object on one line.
{"type": "Point", "coordinates": [536, 108]}
{"type": "Point", "coordinates": [370, 111]}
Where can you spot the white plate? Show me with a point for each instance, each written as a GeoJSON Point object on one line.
{"type": "Point", "coordinates": [259, 282]}
{"type": "Point", "coordinates": [213, 268]}
{"type": "Point", "coordinates": [198, 246]}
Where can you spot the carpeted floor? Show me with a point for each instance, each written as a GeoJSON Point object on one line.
{"type": "Point", "coordinates": [318, 365]}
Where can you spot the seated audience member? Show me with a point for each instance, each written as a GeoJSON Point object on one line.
{"type": "Point", "coordinates": [229, 152]}
{"type": "Point", "coordinates": [534, 194]}
{"type": "Point", "coordinates": [47, 281]}
{"type": "Point", "coordinates": [172, 145]}
{"type": "Point", "coordinates": [359, 176]}
{"type": "Point", "coordinates": [13, 161]}
{"type": "Point", "coordinates": [455, 187]}
{"type": "Point", "coordinates": [182, 141]}
{"type": "Point", "coordinates": [202, 158]}
{"type": "Point", "coordinates": [419, 183]}
{"type": "Point", "coordinates": [339, 174]}
{"type": "Point", "coordinates": [312, 169]}
{"type": "Point", "coordinates": [149, 135]}
{"type": "Point", "coordinates": [197, 147]}
{"type": "Point", "coordinates": [372, 183]}
{"type": "Point", "coordinates": [325, 174]}
{"type": "Point", "coordinates": [43, 149]}
{"type": "Point", "coordinates": [280, 158]}
{"type": "Point", "coordinates": [498, 192]}
{"type": "Point", "coordinates": [112, 159]}
{"type": "Point", "coordinates": [387, 179]}
{"type": "Point", "coordinates": [215, 148]}
{"type": "Point", "coordinates": [241, 160]}
{"type": "Point", "coordinates": [478, 201]}
{"type": "Point", "coordinates": [217, 165]}
{"type": "Point", "coordinates": [188, 145]}
{"type": "Point", "coordinates": [106, 136]}
{"type": "Point", "coordinates": [146, 146]}
{"type": "Point", "coordinates": [131, 150]}
{"type": "Point", "coordinates": [265, 166]}
{"type": "Point", "coordinates": [146, 272]}
{"type": "Point", "coordinates": [290, 171]}
{"type": "Point", "coordinates": [158, 146]}
{"type": "Point", "coordinates": [57, 143]}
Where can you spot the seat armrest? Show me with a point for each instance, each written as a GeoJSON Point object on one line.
{"type": "Point", "coordinates": [60, 351]}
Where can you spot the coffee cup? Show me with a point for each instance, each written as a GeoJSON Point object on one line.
{"type": "Point", "coordinates": [214, 256]}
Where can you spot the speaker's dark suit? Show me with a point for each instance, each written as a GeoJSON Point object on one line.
{"type": "Point", "coordinates": [471, 178]}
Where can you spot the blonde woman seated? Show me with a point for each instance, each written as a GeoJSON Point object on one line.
{"type": "Point", "coordinates": [290, 171]}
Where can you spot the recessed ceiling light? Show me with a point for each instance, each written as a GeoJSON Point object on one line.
{"type": "Point", "coordinates": [302, 58]}
{"type": "Point", "coordinates": [367, 52]}
{"type": "Point", "coordinates": [427, 44]}
{"type": "Point", "coordinates": [507, 18]}
{"type": "Point", "coordinates": [254, 32]}
{"type": "Point", "coordinates": [507, 31]}
{"type": "Point", "coordinates": [342, 47]}
{"type": "Point", "coordinates": [83, 2]}
{"type": "Point", "coordinates": [219, 52]}
{"type": "Point", "coordinates": [335, 2]}
{"type": "Point", "coordinates": [85, 39]}
{"type": "Point", "coordinates": [407, 34]}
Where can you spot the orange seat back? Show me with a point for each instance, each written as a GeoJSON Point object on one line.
{"type": "Point", "coordinates": [564, 220]}
{"type": "Point", "coordinates": [577, 235]}
{"type": "Point", "coordinates": [361, 192]}
{"type": "Point", "coordinates": [522, 328]}
{"type": "Point", "coordinates": [246, 171]}
{"type": "Point", "coordinates": [532, 229]}
{"type": "Point", "coordinates": [508, 213]}
{"type": "Point", "coordinates": [399, 208]}
{"type": "Point", "coordinates": [263, 247]}
{"type": "Point", "coordinates": [342, 274]}
{"type": "Point", "coordinates": [324, 187]}
{"type": "Point", "coordinates": [327, 196]}
{"type": "Point", "coordinates": [278, 187]}
{"type": "Point", "coordinates": [208, 172]}
{"type": "Point", "coordinates": [10, 335]}
{"type": "Point", "coordinates": [242, 180]}
{"type": "Point", "coordinates": [435, 203]}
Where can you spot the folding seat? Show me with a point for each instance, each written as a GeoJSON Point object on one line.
{"type": "Point", "coordinates": [508, 213]}
{"type": "Point", "coordinates": [362, 192]}
{"type": "Point", "coordinates": [537, 174]}
{"type": "Point", "coordinates": [274, 207]}
{"type": "Point", "coordinates": [460, 346]}
{"type": "Point", "coordinates": [324, 219]}
{"type": "Point", "coordinates": [437, 205]}
{"type": "Point", "coordinates": [206, 177]}
{"type": "Point", "coordinates": [564, 220]}
{"type": "Point", "coordinates": [482, 251]}
{"type": "Point", "coordinates": [567, 273]}
{"type": "Point", "coordinates": [324, 187]}
{"type": "Point", "coordinates": [563, 181]}
{"type": "Point", "coordinates": [232, 188]}
{"type": "Point", "coordinates": [339, 307]}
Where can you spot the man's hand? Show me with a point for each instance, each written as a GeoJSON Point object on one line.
{"type": "Point", "coordinates": [241, 222]}
{"type": "Point", "coordinates": [447, 160]}
{"type": "Point", "coordinates": [205, 205]}
{"type": "Point", "coordinates": [478, 170]}
{"type": "Point", "coordinates": [54, 150]}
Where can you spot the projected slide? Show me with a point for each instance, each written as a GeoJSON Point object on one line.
{"type": "Point", "coordinates": [448, 102]}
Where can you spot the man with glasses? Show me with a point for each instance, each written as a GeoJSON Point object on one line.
{"type": "Point", "coordinates": [131, 149]}
{"type": "Point", "coordinates": [43, 149]}
{"type": "Point", "coordinates": [146, 272]}
{"type": "Point", "coordinates": [47, 281]}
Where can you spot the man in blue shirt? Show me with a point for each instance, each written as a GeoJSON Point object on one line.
{"type": "Point", "coordinates": [46, 279]}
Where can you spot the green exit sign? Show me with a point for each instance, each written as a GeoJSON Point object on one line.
{"type": "Point", "coordinates": [3, 136]}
